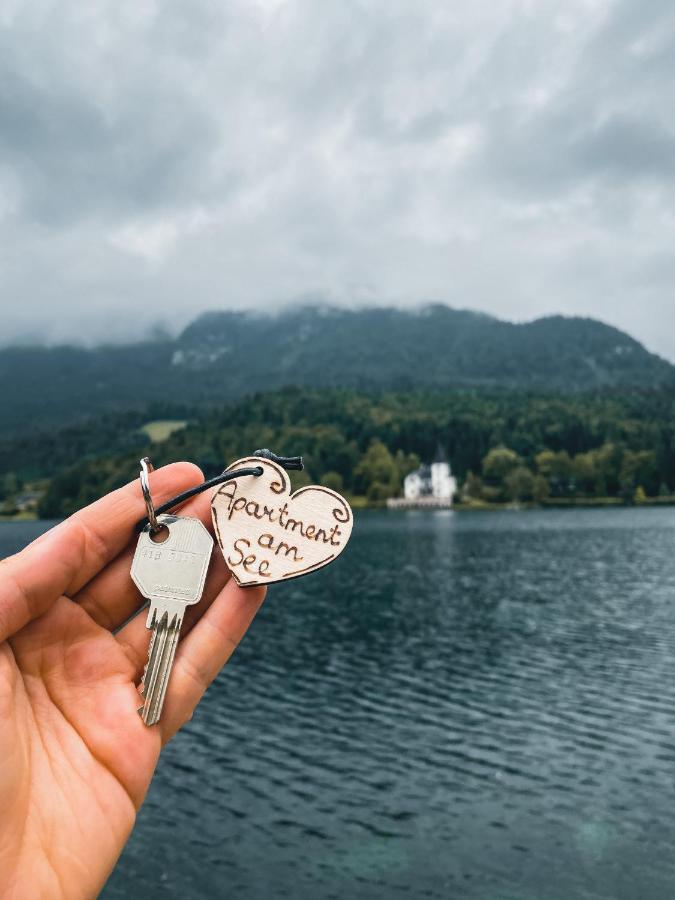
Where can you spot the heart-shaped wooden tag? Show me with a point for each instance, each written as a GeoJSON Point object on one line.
{"type": "Point", "coordinates": [268, 534]}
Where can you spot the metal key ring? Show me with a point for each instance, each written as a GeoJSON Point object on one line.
{"type": "Point", "coordinates": [146, 468]}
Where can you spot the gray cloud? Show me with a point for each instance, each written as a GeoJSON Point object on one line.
{"type": "Point", "coordinates": [157, 160]}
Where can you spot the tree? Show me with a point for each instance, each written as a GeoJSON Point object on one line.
{"type": "Point", "coordinates": [607, 462]}
{"type": "Point", "coordinates": [406, 463]}
{"type": "Point", "coordinates": [10, 484]}
{"type": "Point", "coordinates": [639, 496]}
{"type": "Point", "coordinates": [519, 484]}
{"type": "Point", "coordinates": [377, 493]}
{"type": "Point", "coordinates": [377, 474]}
{"type": "Point", "coordinates": [639, 468]}
{"type": "Point", "coordinates": [472, 489]}
{"type": "Point", "coordinates": [557, 469]}
{"type": "Point", "coordinates": [301, 479]}
{"type": "Point", "coordinates": [333, 480]}
{"type": "Point", "coordinates": [584, 472]}
{"type": "Point", "coordinates": [8, 507]}
{"type": "Point", "coordinates": [498, 463]}
{"type": "Point", "coordinates": [541, 489]}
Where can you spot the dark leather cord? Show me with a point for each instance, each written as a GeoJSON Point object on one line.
{"type": "Point", "coordinates": [204, 486]}
{"type": "Point", "coordinates": [286, 462]}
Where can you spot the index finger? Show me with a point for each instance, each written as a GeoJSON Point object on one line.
{"type": "Point", "coordinates": [68, 556]}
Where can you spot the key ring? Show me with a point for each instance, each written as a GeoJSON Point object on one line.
{"type": "Point", "coordinates": [146, 468]}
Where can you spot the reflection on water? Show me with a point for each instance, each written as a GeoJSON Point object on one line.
{"type": "Point", "coordinates": [474, 705]}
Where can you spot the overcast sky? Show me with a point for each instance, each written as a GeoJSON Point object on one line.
{"type": "Point", "coordinates": [159, 159]}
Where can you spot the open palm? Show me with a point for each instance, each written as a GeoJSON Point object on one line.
{"type": "Point", "coordinates": [76, 759]}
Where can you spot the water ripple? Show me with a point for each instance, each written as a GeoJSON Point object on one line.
{"type": "Point", "coordinates": [468, 706]}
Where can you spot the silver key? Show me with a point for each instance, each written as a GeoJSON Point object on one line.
{"type": "Point", "coordinates": [171, 575]}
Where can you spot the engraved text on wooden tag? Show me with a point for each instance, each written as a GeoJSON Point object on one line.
{"type": "Point", "coordinates": [268, 534]}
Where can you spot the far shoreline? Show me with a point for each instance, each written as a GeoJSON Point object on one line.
{"type": "Point", "coordinates": [552, 503]}
{"type": "Point", "coordinates": [360, 503]}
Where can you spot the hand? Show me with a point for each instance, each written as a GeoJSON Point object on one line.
{"type": "Point", "coordinates": [75, 758]}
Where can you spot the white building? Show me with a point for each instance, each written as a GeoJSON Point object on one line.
{"type": "Point", "coordinates": [434, 482]}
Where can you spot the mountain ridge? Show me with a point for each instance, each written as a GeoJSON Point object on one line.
{"type": "Point", "coordinates": [223, 355]}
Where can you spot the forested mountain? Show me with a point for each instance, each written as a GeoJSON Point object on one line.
{"type": "Point", "coordinates": [503, 445]}
{"type": "Point", "coordinates": [226, 355]}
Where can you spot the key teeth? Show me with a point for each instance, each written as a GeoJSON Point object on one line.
{"type": "Point", "coordinates": [165, 633]}
{"type": "Point", "coordinates": [145, 668]}
{"type": "Point", "coordinates": [142, 685]}
{"type": "Point", "coordinates": [163, 609]}
{"type": "Point", "coordinates": [146, 720]}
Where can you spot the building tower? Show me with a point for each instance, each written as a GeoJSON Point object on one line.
{"type": "Point", "coordinates": [443, 484]}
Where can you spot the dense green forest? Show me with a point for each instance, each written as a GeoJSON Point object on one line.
{"type": "Point", "coordinates": [503, 445]}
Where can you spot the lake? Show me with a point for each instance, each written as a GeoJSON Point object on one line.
{"type": "Point", "coordinates": [466, 705]}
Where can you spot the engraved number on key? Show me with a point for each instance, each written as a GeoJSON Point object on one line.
{"type": "Point", "coordinates": [170, 573]}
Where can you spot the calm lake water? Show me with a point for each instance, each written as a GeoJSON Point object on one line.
{"type": "Point", "coordinates": [472, 705]}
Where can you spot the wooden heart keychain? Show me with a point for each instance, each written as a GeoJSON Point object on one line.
{"type": "Point", "coordinates": [268, 534]}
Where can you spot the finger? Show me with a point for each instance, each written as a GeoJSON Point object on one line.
{"type": "Point", "coordinates": [69, 555]}
{"type": "Point", "coordinates": [205, 650]}
{"type": "Point", "coordinates": [112, 597]}
{"type": "Point", "coordinates": [134, 636]}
